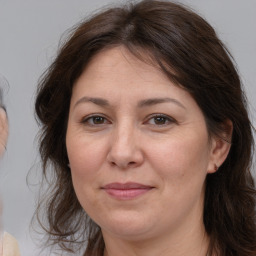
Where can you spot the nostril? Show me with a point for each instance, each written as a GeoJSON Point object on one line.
{"type": "Point", "coordinates": [123, 166]}
{"type": "Point", "coordinates": [131, 163]}
{"type": "Point", "coordinates": [113, 163]}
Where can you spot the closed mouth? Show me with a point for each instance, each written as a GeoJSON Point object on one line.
{"type": "Point", "coordinates": [126, 191]}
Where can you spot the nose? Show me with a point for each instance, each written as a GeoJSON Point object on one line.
{"type": "Point", "coordinates": [125, 150]}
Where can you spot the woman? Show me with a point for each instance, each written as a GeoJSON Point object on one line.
{"type": "Point", "coordinates": [145, 126]}
{"type": "Point", "coordinates": [8, 244]}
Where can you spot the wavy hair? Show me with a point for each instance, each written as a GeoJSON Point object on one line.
{"type": "Point", "coordinates": [189, 52]}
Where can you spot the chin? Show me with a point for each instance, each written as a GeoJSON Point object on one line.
{"type": "Point", "coordinates": [129, 227]}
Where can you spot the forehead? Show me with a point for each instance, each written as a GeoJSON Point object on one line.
{"type": "Point", "coordinates": [118, 76]}
{"type": "Point", "coordinates": [118, 63]}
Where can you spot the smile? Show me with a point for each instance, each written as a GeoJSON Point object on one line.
{"type": "Point", "coordinates": [126, 191]}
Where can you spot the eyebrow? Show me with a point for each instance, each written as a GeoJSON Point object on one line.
{"type": "Point", "coordinates": [154, 101]}
{"type": "Point", "coordinates": [97, 101]}
{"type": "Point", "coordinates": [143, 103]}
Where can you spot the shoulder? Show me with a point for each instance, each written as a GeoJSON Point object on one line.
{"type": "Point", "coordinates": [10, 245]}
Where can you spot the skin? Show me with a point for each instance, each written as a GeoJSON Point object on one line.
{"type": "Point", "coordinates": [3, 140]}
{"type": "Point", "coordinates": [3, 130]}
{"type": "Point", "coordinates": [8, 244]}
{"type": "Point", "coordinates": [128, 137]}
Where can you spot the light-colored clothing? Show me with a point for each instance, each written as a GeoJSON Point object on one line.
{"type": "Point", "coordinates": [9, 246]}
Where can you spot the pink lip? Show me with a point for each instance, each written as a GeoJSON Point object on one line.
{"type": "Point", "coordinates": [126, 191]}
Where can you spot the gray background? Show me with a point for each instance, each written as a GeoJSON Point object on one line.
{"type": "Point", "coordinates": [29, 35]}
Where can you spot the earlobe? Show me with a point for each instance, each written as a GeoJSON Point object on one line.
{"type": "Point", "coordinates": [220, 147]}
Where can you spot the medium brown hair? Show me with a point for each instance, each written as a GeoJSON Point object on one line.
{"type": "Point", "coordinates": [188, 51]}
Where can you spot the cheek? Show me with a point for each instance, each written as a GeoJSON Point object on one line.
{"type": "Point", "coordinates": [181, 158]}
{"type": "Point", "coordinates": [85, 163]}
{"type": "Point", "coordinates": [181, 166]}
{"type": "Point", "coordinates": [86, 157]}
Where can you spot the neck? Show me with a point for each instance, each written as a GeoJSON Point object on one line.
{"type": "Point", "coordinates": [190, 243]}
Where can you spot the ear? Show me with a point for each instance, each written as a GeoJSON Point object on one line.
{"type": "Point", "coordinates": [220, 147]}
{"type": "Point", "coordinates": [3, 130]}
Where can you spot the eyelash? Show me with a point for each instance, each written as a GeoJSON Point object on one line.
{"type": "Point", "coordinates": [105, 120]}
{"type": "Point", "coordinates": [166, 118]}
{"type": "Point", "coordinates": [87, 119]}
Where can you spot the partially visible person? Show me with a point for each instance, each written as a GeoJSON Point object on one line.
{"type": "Point", "coordinates": [8, 244]}
{"type": "Point", "coordinates": [3, 127]}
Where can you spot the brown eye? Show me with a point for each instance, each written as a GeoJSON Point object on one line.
{"type": "Point", "coordinates": [98, 120]}
{"type": "Point", "coordinates": [160, 120]}
{"type": "Point", "coordinates": [95, 120]}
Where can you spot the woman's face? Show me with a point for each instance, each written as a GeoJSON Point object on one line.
{"type": "Point", "coordinates": [138, 148]}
